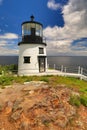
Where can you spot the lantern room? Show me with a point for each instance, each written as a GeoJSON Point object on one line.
{"type": "Point", "coordinates": [32, 32]}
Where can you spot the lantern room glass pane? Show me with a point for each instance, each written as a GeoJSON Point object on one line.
{"type": "Point", "coordinates": [41, 32]}
{"type": "Point", "coordinates": [38, 30]}
{"type": "Point", "coordinates": [27, 27]}
{"type": "Point", "coordinates": [32, 25]}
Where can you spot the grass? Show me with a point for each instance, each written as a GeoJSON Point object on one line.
{"type": "Point", "coordinates": [75, 101]}
{"type": "Point", "coordinates": [6, 80]}
{"type": "Point", "coordinates": [45, 79]}
{"type": "Point", "coordinates": [83, 99]}
{"type": "Point", "coordinates": [52, 80]}
{"type": "Point", "coordinates": [68, 81]}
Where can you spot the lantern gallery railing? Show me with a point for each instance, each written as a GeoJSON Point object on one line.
{"type": "Point", "coordinates": [20, 39]}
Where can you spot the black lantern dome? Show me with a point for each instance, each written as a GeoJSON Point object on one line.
{"type": "Point", "coordinates": [32, 32]}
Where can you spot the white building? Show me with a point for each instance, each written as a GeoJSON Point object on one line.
{"type": "Point", "coordinates": [32, 49]}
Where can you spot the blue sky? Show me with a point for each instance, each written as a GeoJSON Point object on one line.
{"type": "Point", "coordinates": [64, 24]}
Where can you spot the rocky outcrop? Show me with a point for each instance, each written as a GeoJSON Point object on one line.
{"type": "Point", "coordinates": [38, 106]}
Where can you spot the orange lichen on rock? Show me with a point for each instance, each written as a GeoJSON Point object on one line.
{"type": "Point", "coordinates": [40, 107]}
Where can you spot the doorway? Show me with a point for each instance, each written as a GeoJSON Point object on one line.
{"type": "Point", "coordinates": [42, 62]}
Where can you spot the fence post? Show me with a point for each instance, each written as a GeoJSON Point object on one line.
{"type": "Point", "coordinates": [48, 66]}
{"type": "Point", "coordinates": [61, 68]}
{"type": "Point", "coordinates": [82, 71]}
{"type": "Point", "coordinates": [79, 70]}
{"type": "Point", "coordinates": [65, 69]}
{"type": "Point", "coordinates": [54, 66]}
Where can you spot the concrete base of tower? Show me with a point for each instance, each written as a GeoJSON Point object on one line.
{"type": "Point", "coordinates": [31, 72]}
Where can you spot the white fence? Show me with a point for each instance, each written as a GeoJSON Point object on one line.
{"type": "Point", "coordinates": [69, 69]}
{"type": "Point", "coordinates": [74, 71]}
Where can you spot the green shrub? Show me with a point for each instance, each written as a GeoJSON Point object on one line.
{"type": "Point", "coordinates": [6, 80]}
{"type": "Point", "coordinates": [8, 68]}
{"type": "Point", "coordinates": [19, 79]}
{"type": "Point", "coordinates": [45, 79]}
{"type": "Point", "coordinates": [22, 79]}
{"type": "Point", "coordinates": [83, 100]}
{"type": "Point", "coordinates": [75, 101]}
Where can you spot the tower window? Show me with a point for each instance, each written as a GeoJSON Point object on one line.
{"type": "Point", "coordinates": [26, 59]}
{"type": "Point", "coordinates": [41, 50]}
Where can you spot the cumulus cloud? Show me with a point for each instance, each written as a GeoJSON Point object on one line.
{"type": "Point", "coordinates": [9, 36]}
{"type": "Point", "coordinates": [8, 44]}
{"type": "Point", "coordinates": [53, 5]}
{"type": "Point", "coordinates": [8, 51]}
{"type": "Point", "coordinates": [60, 39]}
{"type": "Point", "coordinates": [2, 43]}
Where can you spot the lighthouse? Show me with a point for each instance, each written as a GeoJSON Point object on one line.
{"type": "Point", "coordinates": [32, 49]}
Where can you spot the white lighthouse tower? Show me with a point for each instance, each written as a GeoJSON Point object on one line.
{"type": "Point", "coordinates": [32, 49]}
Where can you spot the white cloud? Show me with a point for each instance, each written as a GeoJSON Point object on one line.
{"type": "Point", "coordinates": [8, 51]}
{"type": "Point", "coordinates": [8, 44]}
{"type": "Point", "coordinates": [60, 39]}
{"type": "Point", "coordinates": [53, 5]}
{"type": "Point", "coordinates": [9, 36]}
{"type": "Point", "coordinates": [2, 43]}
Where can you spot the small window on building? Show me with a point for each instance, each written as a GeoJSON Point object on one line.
{"type": "Point", "coordinates": [26, 59]}
{"type": "Point", "coordinates": [41, 50]}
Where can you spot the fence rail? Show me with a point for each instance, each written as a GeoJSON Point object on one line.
{"type": "Point", "coordinates": [71, 70]}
